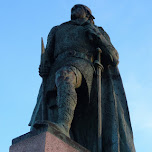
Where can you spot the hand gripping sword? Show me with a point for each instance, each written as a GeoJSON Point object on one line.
{"type": "Point", "coordinates": [99, 69]}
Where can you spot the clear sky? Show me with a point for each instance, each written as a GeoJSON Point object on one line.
{"type": "Point", "coordinates": [24, 22]}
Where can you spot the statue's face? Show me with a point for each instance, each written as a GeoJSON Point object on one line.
{"type": "Point", "coordinates": [78, 11]}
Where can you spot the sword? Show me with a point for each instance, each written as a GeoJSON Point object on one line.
{"type": "Point", "coordinates": [99, 69]}
{"type": "Point", "coordinates": [44, 106]}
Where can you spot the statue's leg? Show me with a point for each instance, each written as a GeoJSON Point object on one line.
{"type": "Point", "coordinates": [67, 79]}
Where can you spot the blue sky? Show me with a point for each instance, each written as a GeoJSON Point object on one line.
{"type": "Point", "coordinates": [23, 23]}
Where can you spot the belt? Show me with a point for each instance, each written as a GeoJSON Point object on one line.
{"type": "Point", "coordinates": [74, 53]}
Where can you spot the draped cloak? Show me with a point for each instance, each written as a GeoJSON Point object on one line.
{"type": "Point", "coordinates": [117, 133]}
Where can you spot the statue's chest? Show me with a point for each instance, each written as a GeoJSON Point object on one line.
{"type": "Point", "coordinates": [71, 34]}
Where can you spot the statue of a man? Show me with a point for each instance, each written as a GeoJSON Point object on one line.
{"type": "Point", "coordinates": [68, 67]}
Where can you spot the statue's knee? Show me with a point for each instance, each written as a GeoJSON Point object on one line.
{"type": "Point", "coordinates": [65, 76]}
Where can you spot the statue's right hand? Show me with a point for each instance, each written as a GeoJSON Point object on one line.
{"type": "Point", "coordinates": [44, 70]}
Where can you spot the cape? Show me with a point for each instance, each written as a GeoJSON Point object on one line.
{"type": "Point", "coordinates": [117, 135]}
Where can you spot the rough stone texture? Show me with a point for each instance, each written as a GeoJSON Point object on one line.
{"type": "Point", "coordinates": [74, 43]}
{"type": "Point", "coordinates": [49, 141]}
{"type": "Point", "coordinates": [54, 144]}
{"type": "Point", "coordinates": [33, 144]}
{"type": "Point", "coordinates": [44, 142]}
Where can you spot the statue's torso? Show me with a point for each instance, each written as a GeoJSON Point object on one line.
{"type": "Point", "coordinates": [71, 37]}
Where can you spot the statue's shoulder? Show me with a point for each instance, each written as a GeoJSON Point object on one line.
{"type": "Point", "coordinates": [65, 24]}
{"type": "Point", "coordinates": [53, 30]}
{"type": "Point", "coordinates": [51, 34]}
{"type": "Point", "coordinates": [104, 33]}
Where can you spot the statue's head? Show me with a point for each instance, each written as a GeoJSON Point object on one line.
{"type": "Point", "coordinates": [81, 11]}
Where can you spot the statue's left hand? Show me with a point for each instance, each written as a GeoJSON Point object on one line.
{"type": "Point", "coordinates": [96, 36]}
{"type": "Point", "coordinates": [108, 50]}
{"type": "Point", "coordinates": [93, 34]}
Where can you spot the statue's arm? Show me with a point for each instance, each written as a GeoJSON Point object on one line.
{"type": "Point", "coordinates": [106, 45]}
{"type": "Point", "coordinates": [101, 39]}
{"type": "Point", "coordinates": [49, 51]}
{"type": "Point", "coordinates": [47, 58]}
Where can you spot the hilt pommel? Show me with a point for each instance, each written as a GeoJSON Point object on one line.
{"type": "Point", "coordinates": [99, 50]}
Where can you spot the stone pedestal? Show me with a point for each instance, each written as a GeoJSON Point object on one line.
{"type": "Point", "coordinates": [46, 140]}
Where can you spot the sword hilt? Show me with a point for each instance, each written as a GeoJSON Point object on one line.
{"type": "Point", "coordinates": [97, 62]}
{"type": "Point", "coordinates": [99, 51]}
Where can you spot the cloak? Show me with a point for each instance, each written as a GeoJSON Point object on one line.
{"type": "Point", "coordinates": [117, 133]}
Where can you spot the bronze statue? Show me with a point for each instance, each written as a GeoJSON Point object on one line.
{"type": "Point", "coordinates": [68, 95]}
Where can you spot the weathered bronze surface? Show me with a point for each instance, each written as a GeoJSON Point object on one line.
{"type": "Point", "coordinates": [70, 92]}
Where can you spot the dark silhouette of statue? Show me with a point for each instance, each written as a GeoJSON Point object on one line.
{"type": "Point", "coordinates": [69, 91]}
